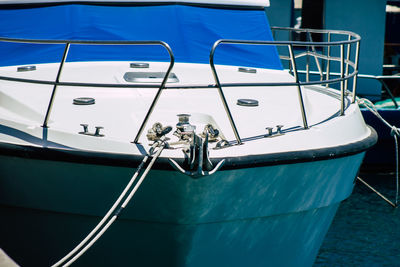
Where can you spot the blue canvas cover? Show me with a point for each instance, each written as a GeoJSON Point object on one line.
{"type": "Point", "coordinates": [190, 31]}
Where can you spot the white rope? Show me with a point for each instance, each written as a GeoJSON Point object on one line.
{"type": "Point", "coordinates": [371, 107]}
{"type": "Point", "coordinates": [397, 168]}
{"type": "Point", "coordinates": [395, 132]}
{"type": "Point", "coordinates": [82, 251]}
{"type": "Point", "coordinates": [112, 209]}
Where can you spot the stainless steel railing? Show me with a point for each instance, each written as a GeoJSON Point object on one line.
{"type": "Point", "coordinates": [57, 82]}
{"type": "Point", "coordinates": [297, 50]}
{"type": "Point", "coordinates": [322, 53]}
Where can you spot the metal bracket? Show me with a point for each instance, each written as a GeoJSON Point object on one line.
{"type": "Point", "coordinates": [198, 161]}
{"type": "Point", "coordinates": [96, 133]}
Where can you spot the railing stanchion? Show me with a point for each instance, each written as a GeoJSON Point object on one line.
{"type": "Point", "coordinates": [308, 59]}
{"type": "Point", "coordinates": [328, 63]}
{"type": "Point", "coordinates": [347, 63]}
{"type": "Point", "coordinates": [342, 89]}
{"type": "Point", "coordinates": [53, 94]}
{"type": "Point", "coordinates": [296, 76]}
{"type": "Point", "coordinates": [221, 93]}
{"type": "Point", "coordinates": [321, 74]}
{"type": "Point", "coordinates": [158, 94]}
{"type": "Point", "coordinates": [356, 70]}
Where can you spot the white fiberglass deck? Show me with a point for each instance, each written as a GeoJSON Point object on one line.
{"type": "Point", "coordinates": [122, 110]}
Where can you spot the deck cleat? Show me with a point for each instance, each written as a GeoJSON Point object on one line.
{"type": "Point", "coordinates": [95, 134]}
{"type": "Point", "coordinates": [213, 134]}
{"type": "Point", "coordinates": [157, 131]}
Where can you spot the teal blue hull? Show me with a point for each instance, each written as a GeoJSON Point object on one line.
{"type": "Point", "coordinates": [265, 216]}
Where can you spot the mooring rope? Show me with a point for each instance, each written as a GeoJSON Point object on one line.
{"type": "Point", "coordinates": [81, 248]}
{"type": "Point", "coordinates": [397, 169]}
{"type": "Point", "coordinates": [395, 132]}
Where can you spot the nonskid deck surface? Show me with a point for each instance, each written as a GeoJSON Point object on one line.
{"type": "Point", "coordinates": [120, 111]}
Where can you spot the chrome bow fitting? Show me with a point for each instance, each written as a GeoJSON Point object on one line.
{"type": "Point", "coordinates": [195, 147]}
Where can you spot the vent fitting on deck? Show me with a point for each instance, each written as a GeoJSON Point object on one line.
{"type": "Point", "coordinates": [247, 102]}
{"type": "Point", "coordinates": [84, 101]}
{"type": "Point", "coordinates": [139, 65]}
{"type": "Point", "coordinates": [149, 77]}
{"type": "Point", "coordinates": [247, 70]}
{"type": "Point", "coordinates": [26, 68]}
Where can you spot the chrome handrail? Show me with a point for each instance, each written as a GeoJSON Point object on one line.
{"type": "Point", "coordinates": [57, 82]}
{"type": "Point", "coordinates": [53, 93]}
{"type": "Point", "coordinates": [221, 93]}
{"type": "Point", "coordinates": [352, 39]}
{"type": "Point", "coordinates": [345, 65]}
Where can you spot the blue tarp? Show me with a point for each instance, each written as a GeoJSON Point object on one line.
{"type": "Point", "coordinates": [190, 31]}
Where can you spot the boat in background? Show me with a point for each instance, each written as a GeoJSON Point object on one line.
{"type": "Point", "coordinates": [186, 109]}
{"type": "Point", "coordinates": [384, 117]}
